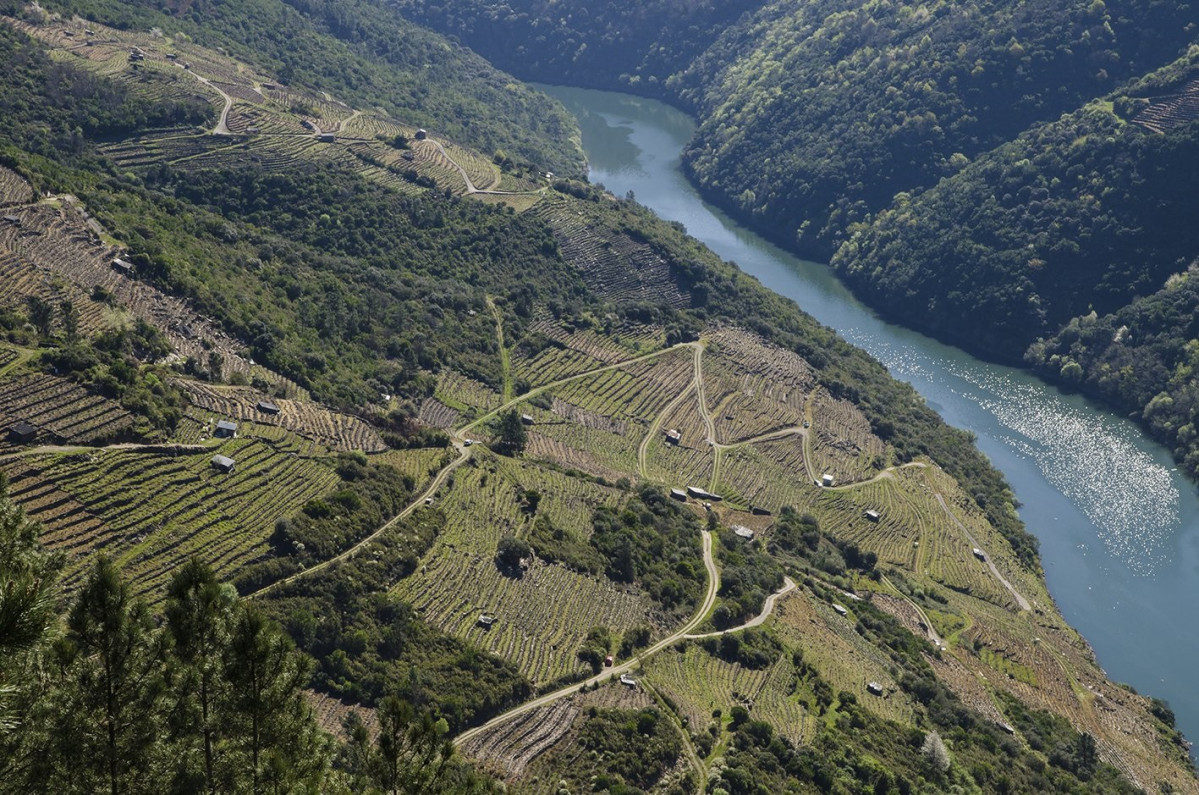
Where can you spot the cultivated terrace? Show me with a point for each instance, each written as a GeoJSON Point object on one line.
{"type": "Point", "coordinates": [347, 449]}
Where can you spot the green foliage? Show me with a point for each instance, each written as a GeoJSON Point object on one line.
{"type": "Point", "coordinates": [371, 494]}
{"type": "Point", "coordinates": [212, 700]}
{"type": "Point", "coordinates": [411, 754]}
{"type": "Point", "coordinates": [632, 750]}
{"type": "Point", "coordinates": [511, 436]}
{"type": "Point", "coordinates": [367, 644]}
{"type": "Point", "coordinates": [653, 542]}
{"type": "Point", "coordinates": [563, 546]}
{"type": "Point", "coordinates": [1074, 216]}
{"type": "Point", "coordinates": [596, 647]}
{"type": "Point", "coordinates": [121, 364]}
{"type": "Point", "coordinates": [363, 52]}
{"type": "Point", "coordinates": [510, 552]}
{"type": "Point", "coordinates": [27, 583]}
{"type": "Point", "coordinates": [748, 575]}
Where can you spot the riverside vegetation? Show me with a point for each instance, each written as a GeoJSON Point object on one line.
{"type": "Point", "coordinates": [450, 488]}
{"type": "Point", "coordinates": [946, 157]}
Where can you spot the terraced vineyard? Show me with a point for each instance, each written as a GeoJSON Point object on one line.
{"type": "Point", "coordinates": [13, 188]}
{"type": "Point", "coordinates": [1171, 111]}
{"type": "Point", "coordinates": [768, 474]}
{"type": "Point", "coordinates": [614, 266]}
{"type": "Point", "coordinates": [328, 428]}
{"type": "Point", "coordinates": [512, 750]}
{"type": "Point", "coordinates": [699, 683]}
{"type": "Point", "coordinates": [61, 410]}
{"type": "Point", "coordinates": [542, 616]}
{"type": "Point", "coordinates": [845, 660]}
{"type": "Point", "coordinates": [153, 510]}
{"type": "Point", "coordinates": [55, 245]}
{"type": "Point", "coordinates": [466, 395]}
{"type": "Point", "coordinates": [842, 442]}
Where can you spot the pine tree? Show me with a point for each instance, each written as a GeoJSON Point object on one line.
{"type": "Point", "coordinates": [274, 729]}
{"type": "Point", "coordinates": [199, 612]}
{"type": "Point", "coordinates": [109, 707]}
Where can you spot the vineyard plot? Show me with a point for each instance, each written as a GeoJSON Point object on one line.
{"type": "Point", "coordinates": [699, 683]}
{"type": "Point", "coordinates": [193, 510]}
{"type": "Point", "coordinates": [542, 616]}
{"type": "Point", "coordinates": [842, 441]}
{"type": "Point", "coordinates": [61, 410]}
{"type": "Point", "coordinates": [328, 428]}
{"type": "Point", "coordinates": [614, 265]}
{"type": "Point", "coordinates": [13, 188]}
{"type": "Point", "coordinates": [844, 659]}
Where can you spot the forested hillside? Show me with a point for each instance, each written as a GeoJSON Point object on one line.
{"type": "Point", "coordinates": [814, 116]}
{"type": "Point", "coordinates": [1075, 218]}
{"type": "Point", "coordinates": [367, 55]}
{"type": "Point", "coordinates": [353, 451]}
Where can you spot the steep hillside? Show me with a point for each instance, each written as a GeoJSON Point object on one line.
{"type": "Point", "coordinates": [366, 56]}
{"type": "Point", "coordinates": [1078, 216]}
{"type": "Point", "coordinates": [425, 410]}
{"type": "Point", "coordinates": [814, 116]}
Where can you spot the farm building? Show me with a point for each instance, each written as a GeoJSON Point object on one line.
{"type": "Point", "coordinates": [327, 137]}
{"type": "Point", "coordinates": [421, 135]}
{"type": "Point", "coordinates": [841, 611]}
{"type": "Point", "coordinates": [758, 510]}
{"type": "Point", "coordinates": [678, 494]}
{"type": "Point", "coordinates": [703, 494]}
{"type": "Point", "coordinates": [266, 407]}
{"type": "Point", "coordinates": [978, 553]}
{"type": "Point", "coordinates": [826, 480]}
{"type": "Point", "coordinates": [122, 266]}
{"type": "Point", "coordinates": [874, 688]}
{"type": "Point", "coordinates": [872, 515]}
{"type": "Point", "coordinates": [22, 432]}
{"type": "Point", "coordinates": [627, 680]}
{"type": "Point", "coordinates": [527, 419]}
{"type": "Point", "coordinates": [741, 531]}
{"type": "Point", "coordinates": [486, 620]}
{"type": "Point", "coordinates": [673, 436]}
{"type": "Point", "coordinates": [225, 429]}
{"type": "Point", "coordinates": [223, 463]}
{"type": "Point", "coordinates": [12, 219]}
{"type": "Point", "coordinates": [608, 661]}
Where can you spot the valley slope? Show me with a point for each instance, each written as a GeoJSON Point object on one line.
{"type": "Point", "coordinates": [425, 404]}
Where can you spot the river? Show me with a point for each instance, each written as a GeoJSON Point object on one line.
{"type": "Point", "coordinates": [1118, 525]}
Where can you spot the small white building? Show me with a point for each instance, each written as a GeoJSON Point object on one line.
{"type": "Point", "coordinates": [826, 480]}
{"type": "Point", "coordinates": [741, 531]}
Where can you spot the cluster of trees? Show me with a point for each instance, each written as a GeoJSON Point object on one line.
{"type": "Point", "coordinates": [609, 45]}
{"type": "Point", "coordinates": [747, 576]}
{"type": "Point", "coordinates": [210, 700]}
{"type": "Point", "coordinates": [205, 696]}
{"type": "Point", "coordinates": [1078, 215]}
{"type": "Point", "coordinates": [653, 542]}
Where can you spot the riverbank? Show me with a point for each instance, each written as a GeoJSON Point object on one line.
{"type": "Point", "coordinates": [1118, 524]}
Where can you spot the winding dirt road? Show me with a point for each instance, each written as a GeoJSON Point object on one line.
{"type": "Point", "coordinates": [701, 614]}
{"type": "Point", "coordinates": [434, 484]}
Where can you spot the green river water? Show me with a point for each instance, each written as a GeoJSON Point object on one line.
{"type": "Point", "coordinates": [1118, 525]}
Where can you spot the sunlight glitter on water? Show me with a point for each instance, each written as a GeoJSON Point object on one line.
{"type": "Point", "coordinates": [1094, 464]}
{"type": "Point", "coordinates": [1089, 457]}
